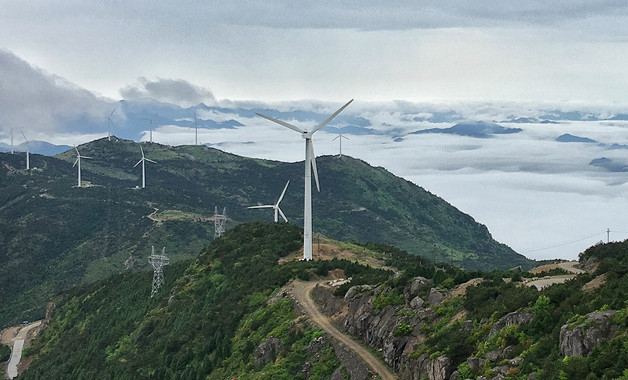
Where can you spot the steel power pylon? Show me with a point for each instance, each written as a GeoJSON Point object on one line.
{"type": "Point", "coordinates": [158, 262]}
{"type": "Point", "coordinates": [219, 222]}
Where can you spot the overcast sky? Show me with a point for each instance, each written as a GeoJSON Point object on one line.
{"type": "Point", "coordinates": [565, 50]}
{"type": "Point", "coordinates": [491, 59]}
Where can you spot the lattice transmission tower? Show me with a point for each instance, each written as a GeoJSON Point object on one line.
{"type": "Point", "coordinates": [219, 222]}
{"type": "Point", "coordinates": [158, 262]}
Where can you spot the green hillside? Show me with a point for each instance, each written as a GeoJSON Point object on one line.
{"type": "Point", "coordinates": [214, 313]}
{"type": "Point", "coordinates": [54, 235]}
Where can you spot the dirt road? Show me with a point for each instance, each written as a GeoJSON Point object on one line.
{"type": "Point", "coordinates": [546, 281]}
{"type": "Point", "coordinates": [301, 292]}
{"type": "Point", "coordinates": [18, 346]}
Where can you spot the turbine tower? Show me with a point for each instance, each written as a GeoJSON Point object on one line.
{"type": "Point", "coordinates": [28, 162]}
{"type": "Point", "coordinates": [158, 262]}
{"type": "Point", "coordinates": [109, 124]}
{"type": "Point", "coordinates": [78, 161]}
{"type": "Point", "coordinates": [142, 161]}
{"type": "Point", "coordinates": [12, 150]}
{"type": "Point", "coordinates": [151, 126]}
{"type": "Point", "coordinates": [339, 138]}
{"type": "Point", "coordinates": [195, 129]}
{"type": "Point", "coordinates": [310, 163]}
{"type": "Point", "coordinates": [219, 222]}
{"type": "Point", "coordinates": [276, 205]}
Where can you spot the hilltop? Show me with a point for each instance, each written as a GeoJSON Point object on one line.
{"type": "Point", "coordinates": [56, 235]}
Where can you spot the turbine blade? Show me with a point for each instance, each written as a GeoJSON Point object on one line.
{"type": "Point", "coordinates": [287, 125]}
{"type": "Point", "coordinates": [111, 114]}
{"type": "Point", "coordinates": [336, 138]}
{"type": "Point", "coordinates": [90, 158]}
{"type": "Point", "coordinates": [24, 136]}
{"type": "Point", "coordinates": [138, 162]}
{"type": "Point", "coordinates": [324, 123]}
{"type": "Point", "coordinates": [75, 162]}
{"type": "Point", "coordinates": [344, 137]}
{"type": "Point", "coordinates": [264, 206]}
{"type": "Point", "coordinates": [283, 193]}
{"type": "Point", "coordinates": [313, 161]}
{"type": "Point", "coordinates": [76, 149]}
{"type": "Point", "coordinates": [149, 160]}
{"type": "Point", "coordinates": [282, 215]}
{"type": "Point", "coordinates": [142, 150]}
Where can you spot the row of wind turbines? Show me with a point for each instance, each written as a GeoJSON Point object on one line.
{"type": "Point", "coordinates": [310, 166]}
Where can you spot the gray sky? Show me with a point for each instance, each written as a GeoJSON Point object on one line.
{"type": "Point", "coordinates": [437, 50]}
{"type": "Point", "coordinates": [487, 60]}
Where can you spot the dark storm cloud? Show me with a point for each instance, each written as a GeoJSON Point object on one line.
{"type": "Point", "coordinates": [37, 101]}
{"type": "Point", "coordinates": [177, 91]}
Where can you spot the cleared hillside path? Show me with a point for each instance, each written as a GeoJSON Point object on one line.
{"type": "Point", "coordinates": [301, 291]}
{"type": "Point", "coordinates": [544, 282]}
{"type": "Point", "coordinates": [18, 346]}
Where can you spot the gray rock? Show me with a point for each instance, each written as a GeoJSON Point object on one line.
{"type": "Point", "coordinates": [467, 325]}
{"type": "Point", "coordinates": [514, 318]}
{"type": "Point", "coordinates": [501, 370]}
{"type": "Point", "coordinates": [339, 374]}
{"type": "Point", "coordinates": [481, 378]}
{"type": "Point", "coordinates": [356, 291]}
{"type": "Point", "coordinates": [267, 351]}
{"type": "Point", "coordinates": [508, 352]}
{"type": "Point", "coordinates": [454, 375]}
{"type": "Point", "coordinates": [499, 377]}
{"type": "Point", "coordinates": [475, 364]}
{"type": "Point", "coordinates": [532, 376]}
{"type": "Point", "coordinates": [516, 361]}
{"type": "Point", "coordinates": [582, 339]}
{"type": "Point", "coordinates": [417, 302]}
{"type": "Point", "coordinates": [435, 297]}
{"type": "Point", "coordinates": [428, 368]}
{"type": "Point", "coordinates": [494, 355]}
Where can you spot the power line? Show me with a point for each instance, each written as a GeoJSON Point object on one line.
{"type": "Point", "coordinates": [566, 243]}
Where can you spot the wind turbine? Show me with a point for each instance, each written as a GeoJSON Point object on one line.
{"type": "Point", "coordinates": [339, 138]}
{"type": "Point", "coordinates": [142, 161]}
{"type": "Point", "coordinates": [78, 161]}
{"type": "Point", "coordinates": [109, 124]}
{"type": "Point", "coordinates": [310, 163]}
{"type": "Point", "coordinates": [28, 162]}
{"type": "Point", "coordinates": [195, 129]}
{"type": "Point", "coordinates": [12, 150]}
{"type": "Point", "coordinates": [276, 205]}
{"type": "Point", "coordinates": [151, 125]}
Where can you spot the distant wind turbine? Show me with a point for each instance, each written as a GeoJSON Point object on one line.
{"type": "Point", "coordinates": [12, 150]}
{"type": "Point", "coordinates": [310, 163]}
{"type": "Point", "coordinates": [195, 129]}
{"type": "Point", "coordinates": [151, 125]}
{"type": "Point", "coordinates": [276, 205]}
{"type": "Point", "coordinates": [339, 138]}
{"type": "Point", "coordinates": [28, 162]}
{"type": "Point", "coordinates": [109, 124]}
{"type": "Point", "coordinates": [142, 161]}
{"type": "Point", "coordinates": [78, 161]}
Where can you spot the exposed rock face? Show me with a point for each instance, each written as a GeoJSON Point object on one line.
{"type": "Point", "coordinates": [416, 302]}
{"type": "Point", "coordinates": [377, 329]}
{"type": "Point", "coordinates": [267, 351]}
{"type": "Point", "coordinates": [514, 318]}
{"type": "Point", "coordinates": [425, 367]}
{"type": "Point", "coordinates": [326, 301]}
{"type": "Point", "coordinates": [582, 339]}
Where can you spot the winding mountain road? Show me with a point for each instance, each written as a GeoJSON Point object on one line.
{"type": "Point", "coordinates": [544, 282]}
{"type": "Point", "coordinates": [301, 291]}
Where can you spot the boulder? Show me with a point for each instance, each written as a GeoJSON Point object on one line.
{"type": "Point", "coordinates": [514, 318]}
{"type": "Point", "coordinates": [435, 297]}
{"type": "Point", "coordinates": [416, 302]}
{"type": "Point", "coordinates": [267, 351]}
{"type": "Point", "coordinates": [582, 339]}
{"type": "Point", "coordinates": [475, 364]}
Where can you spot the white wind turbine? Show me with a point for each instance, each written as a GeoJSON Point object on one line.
{"type": "Point", "coordinates": [142, 161]}
{"type": "Point", "coordinates": [310, 163]}
{"type": "Point", "coordinates": [12, 150]}
{"type": "Point", "coordinates": [78, 161]}
{"type": "Point", "coordinates": [109, 124]}
{"type": "Point", "coordinates": [28, 162]}
{"type": "Point", "coordinates": [276, 205]}
{"type": "Point", "coordinates": [151, 126]}
{"type": "Point", "coordinates": [339, 138]}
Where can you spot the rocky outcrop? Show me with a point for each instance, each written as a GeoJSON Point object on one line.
{"type": "Point", "coordinates": [267, 351]}
{"type": "Point", "coordinates": [514, 318]}
{"type": "Point", "coordinates": [582, 338]}
{"type": "Point", "coordinates": [417, 285]}
{"type": "Point", "coordinates": [424, 367]}
{"type": "Point", "coordinates": [326, 301]}
{"type": "Point", "coordinates": [379, 329]}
